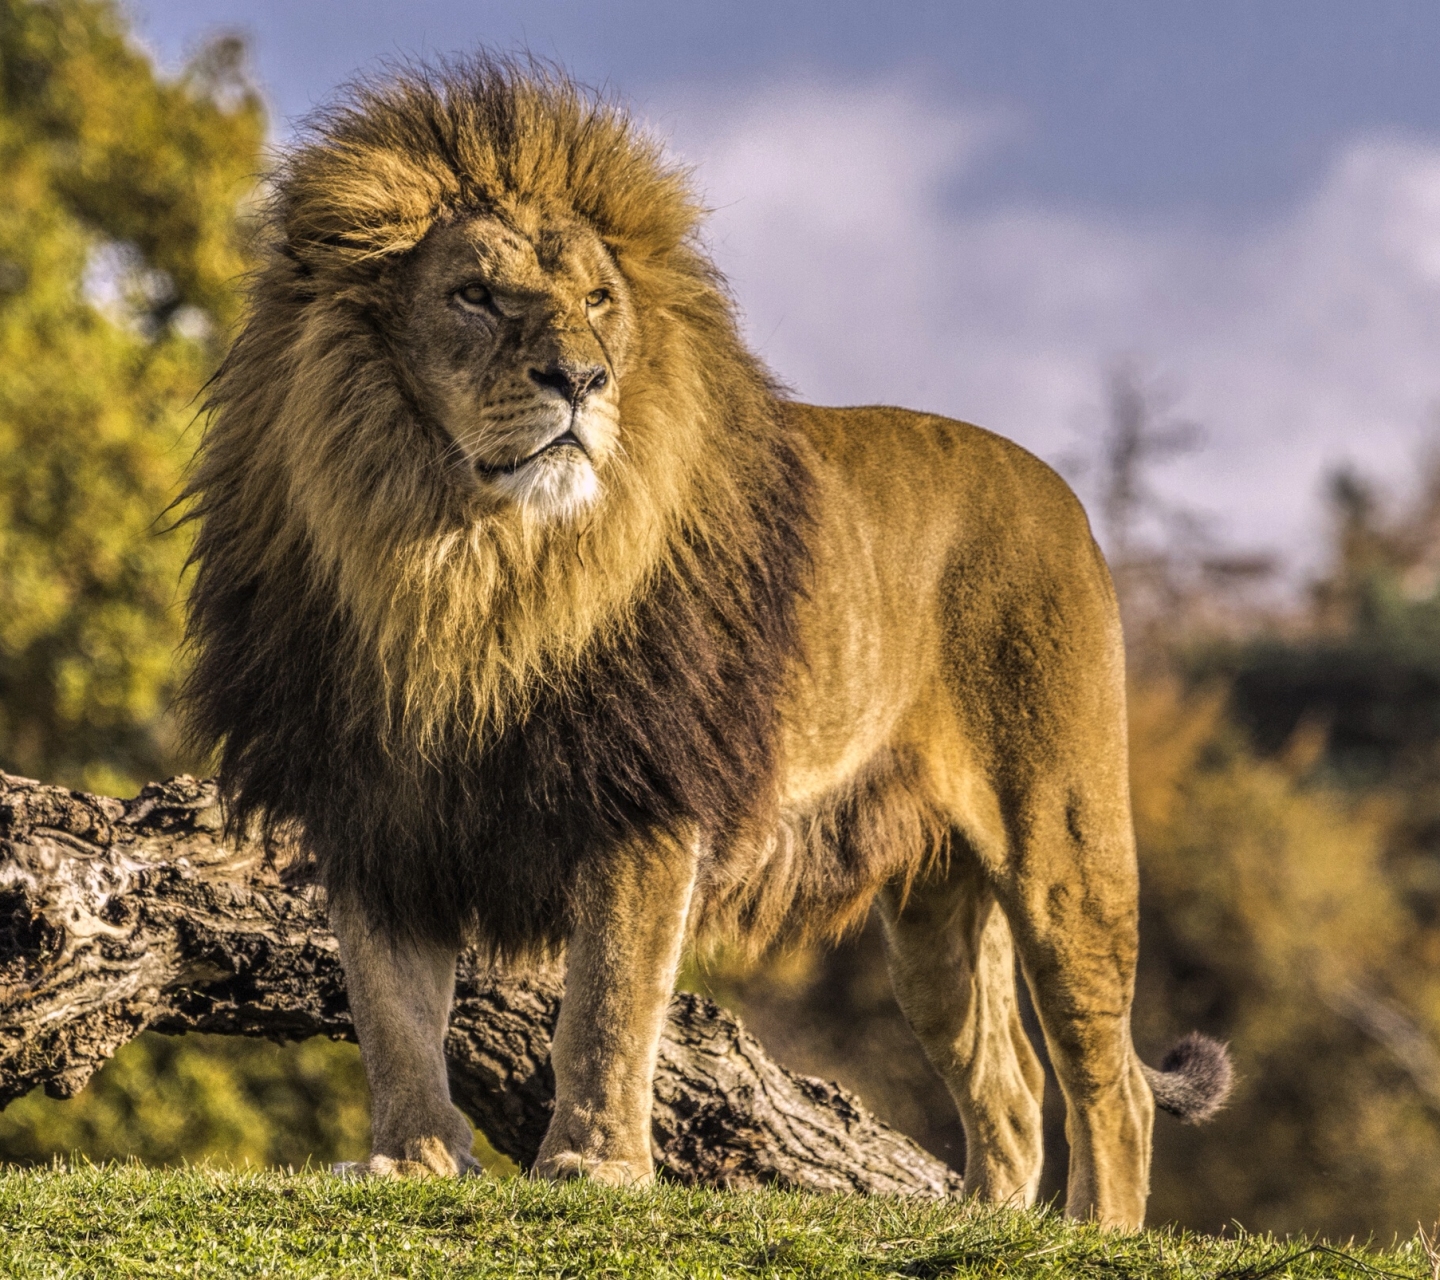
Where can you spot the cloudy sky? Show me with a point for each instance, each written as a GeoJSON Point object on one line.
{"type": "Point", "coordinates": [978, 208]}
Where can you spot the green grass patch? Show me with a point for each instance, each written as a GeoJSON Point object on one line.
{"type": "Point", "coordinates": [124, 1220]}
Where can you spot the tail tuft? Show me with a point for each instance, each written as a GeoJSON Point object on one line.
{"type": "Point", "coordinates": [1194, 1080]}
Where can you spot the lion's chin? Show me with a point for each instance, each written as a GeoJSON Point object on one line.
{"type": "Point", "coordinates": [553, 487]}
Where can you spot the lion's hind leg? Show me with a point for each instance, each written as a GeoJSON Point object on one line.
{"type": "Point", "coordinates": [952, 964]}
{"type": "Point", "coordinates": [400, 993]}
{"type": "Point", "coordinates": [1070, 891]}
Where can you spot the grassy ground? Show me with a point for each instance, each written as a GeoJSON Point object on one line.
{"type": "Point", "coordinates": [128, 1221]}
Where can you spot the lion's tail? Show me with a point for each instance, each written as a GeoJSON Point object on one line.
{"type": "Point", "coordinates": [1194, 1079]}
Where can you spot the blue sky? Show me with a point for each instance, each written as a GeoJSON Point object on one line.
{"type": "Point", "coordinates": [977, 207]}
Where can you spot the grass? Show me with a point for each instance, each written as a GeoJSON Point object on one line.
{"type": "Point", "coordinates": [124, 1220]}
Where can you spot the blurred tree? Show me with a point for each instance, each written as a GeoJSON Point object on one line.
{"type": "Point", "coordinates": [1170, 575]}
{"type": "Point", "coordinates": [1363, 673]}
{"type": "Point", "coordinates": [1366, 664]}
{"type": "Point", "coordinates": [228, 1101]}
{"type": "Point", "coordinates": [1267, 917]}
{"type": "Point", "coordinates": [121, 236]}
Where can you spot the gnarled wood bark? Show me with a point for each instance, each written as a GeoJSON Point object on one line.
{"type": "Point", "coordinates": [122, 916]}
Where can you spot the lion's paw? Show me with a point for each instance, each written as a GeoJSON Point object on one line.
{"type": "Point", "coordinates": [382, 1167]}
{"type": "Point", "coordinates": [379, 1166]}
{"type": "Point", "coordinates": [564, 1165]}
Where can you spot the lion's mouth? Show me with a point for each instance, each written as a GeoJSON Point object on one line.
{"type": "Point", "coordinates": [565, 440]}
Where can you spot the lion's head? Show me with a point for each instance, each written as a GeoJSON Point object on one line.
{"type": "Point", "coordinates": [488, 390]}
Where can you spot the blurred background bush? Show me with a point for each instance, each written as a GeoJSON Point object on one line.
{"type": "Point", "coordinates": [1286, 751]}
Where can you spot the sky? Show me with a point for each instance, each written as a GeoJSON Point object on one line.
{"type": "Point", "coordinates": [980, 208]}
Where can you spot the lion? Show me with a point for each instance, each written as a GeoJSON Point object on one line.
{"type": "Point", "coordinates": [552, 624]}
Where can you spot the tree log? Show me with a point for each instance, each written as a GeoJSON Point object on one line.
{"type": "Point", "coordinates": [118, 917]}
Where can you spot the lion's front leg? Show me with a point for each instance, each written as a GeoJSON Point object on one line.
{"type": "Point", "coordinates": [400, 994]}
{"type": "Point", "coordinates": [620, 974]}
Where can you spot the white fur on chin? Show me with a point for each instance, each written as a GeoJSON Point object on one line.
{"type": "Point", "coordinates": [554, 487]}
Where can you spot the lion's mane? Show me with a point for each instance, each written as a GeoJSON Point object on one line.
{"type": "Point", "coordinates": [460, 716]}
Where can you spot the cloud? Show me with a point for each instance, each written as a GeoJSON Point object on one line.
{"type": "Point", "coordinates": [841, 218]}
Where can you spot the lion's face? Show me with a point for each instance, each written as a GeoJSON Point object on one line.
{"type": "Point", "coordinates": [515, 336]}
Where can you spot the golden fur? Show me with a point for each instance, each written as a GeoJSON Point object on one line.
{"type": "Point", "coordinates": [547, 620]}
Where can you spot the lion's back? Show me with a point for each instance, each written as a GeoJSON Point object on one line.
{"type": "Point", "coordinates": [894, 462]}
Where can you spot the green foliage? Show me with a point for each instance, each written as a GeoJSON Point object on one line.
{"type": "Point", "coordinates": [224, 1100]}
{"type": "Point", "coordinates": [1361, 677]}
{"type": "Point", "coordinates": [121, 220]}
{"type": "Point", "coordinates": [1288, 814]}
{"type": "Point", "coordinates": [130, 1222]}
{"type": "Point", "coordinates": [228, 1101]}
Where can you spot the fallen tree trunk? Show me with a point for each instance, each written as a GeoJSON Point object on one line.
{"type": "Point", "coordinates": [118, 917]}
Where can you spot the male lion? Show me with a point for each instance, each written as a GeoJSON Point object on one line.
{"type": "Point", "coordinates": [548, 621]}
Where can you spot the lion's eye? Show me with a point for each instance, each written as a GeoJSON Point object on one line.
{"type": "Point", "coordinates": [474, 294]}
{"type": "Point", "coordinates": [597, 297]}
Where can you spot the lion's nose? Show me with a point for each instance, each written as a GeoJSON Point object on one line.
{"type": "Point", "coordinates": [572, 380]}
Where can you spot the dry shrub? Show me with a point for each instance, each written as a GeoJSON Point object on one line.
{"type": "Point", "coordinates": [1267, 918]}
